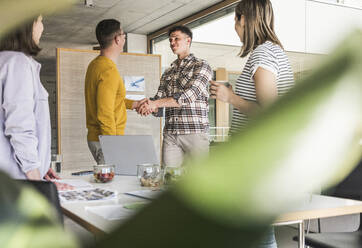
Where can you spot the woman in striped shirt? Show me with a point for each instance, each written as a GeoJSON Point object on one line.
{"type": "Point", "coordinates": [266, 75]}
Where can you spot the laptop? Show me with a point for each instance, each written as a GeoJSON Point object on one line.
{"type": "Point", "coordinates": [127, 151]}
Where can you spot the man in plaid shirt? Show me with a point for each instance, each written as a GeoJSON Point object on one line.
{"type": "Point", "coordinates": [184, 92]}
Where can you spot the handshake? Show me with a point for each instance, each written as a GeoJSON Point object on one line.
{"type": "Point", "coordinates": [145, 106]}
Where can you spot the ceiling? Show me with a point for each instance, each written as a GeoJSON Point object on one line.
{"type": "Point", "coordinates": [75, 28]}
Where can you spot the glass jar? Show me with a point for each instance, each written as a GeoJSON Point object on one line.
{"type": "Point", "coordinates": [103, 173]}
{"type": "Point", "coordinates": [172, 174]}
{"type": "Point", "coordinates": [149, 175]}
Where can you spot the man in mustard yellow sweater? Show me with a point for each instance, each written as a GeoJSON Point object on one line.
{"type": "Point", "coordinates": [105, 93]}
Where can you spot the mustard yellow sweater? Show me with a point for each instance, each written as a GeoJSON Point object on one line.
{"type": "Point", "coordinates": [105, 99]}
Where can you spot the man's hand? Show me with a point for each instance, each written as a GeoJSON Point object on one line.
{"type": "Point", "coordinates": [147, 107]}
{"type": "Point", "coordinates": [137, 104]}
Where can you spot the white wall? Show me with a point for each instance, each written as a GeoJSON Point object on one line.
{"type": "Point", "coordinates": [328, 24]}
{"type": "Point", "coordinates": [290, 23]}
{"type": "Point", "coordinates": [313, 26]}
{"type": "Point", "coordinates": [136, 43]}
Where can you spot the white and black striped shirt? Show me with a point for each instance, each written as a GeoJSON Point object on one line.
{"type": "Point", "coordinates": [271, 57]}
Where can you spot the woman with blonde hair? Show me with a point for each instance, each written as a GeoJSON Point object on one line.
{"type": "Point", "coordinates": [267, 73]}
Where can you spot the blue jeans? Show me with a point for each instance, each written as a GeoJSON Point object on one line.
{"type": "Point", "coordinates": [268, 240]}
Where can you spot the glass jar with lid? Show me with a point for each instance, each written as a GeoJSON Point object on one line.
{"type": "Point", "coordinates": [172, 174]}
{"type": "Point", "coordinates": [149, 175]}
{"type": "Point", "coordinates": [103, 173]}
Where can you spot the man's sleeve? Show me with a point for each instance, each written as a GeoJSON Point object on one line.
{"type": "Point", "coordinates": [161, 92]}
{"type": "Point", "coordinates": [197, 86]}
{"type": "Point", "coordinates": [128, 103]}
{"type": "Point", "coordinates": [106, 97]}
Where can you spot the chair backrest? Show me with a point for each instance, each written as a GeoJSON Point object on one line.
{"type": "Point", "coordinates": [50, 192]}
{"type": "Point", "coordinates": [350, 187]}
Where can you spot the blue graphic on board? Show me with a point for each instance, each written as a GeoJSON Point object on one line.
{"type": "Point", "coordinates": [134, 83]}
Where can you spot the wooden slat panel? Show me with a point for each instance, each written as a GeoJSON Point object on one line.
{"type": "Point", "coordinates": [72, 133]}
{"type": "Point", "coordinates": [222, 108]}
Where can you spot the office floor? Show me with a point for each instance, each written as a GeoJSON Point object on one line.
{"type": "Point", "coordinates": [83, 236]}
{"type": "Point", "coordinates": [284, 234]}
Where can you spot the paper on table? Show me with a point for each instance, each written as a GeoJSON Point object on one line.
{"type": "Point", "coordinates": [111, 212]}
{"type": "Point", "coordinates": [92, 194]}
{"type": "Point", "coordinates": [146, 194]}
{"type": "Point", "coordinates": [76, 183]}
{"type": "Point", "coordinates": [135, 205]}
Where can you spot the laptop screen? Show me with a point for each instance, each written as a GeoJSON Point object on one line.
{"type": "Point", "coordinates": [127, 151]}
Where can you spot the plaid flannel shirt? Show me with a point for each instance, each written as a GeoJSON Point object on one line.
{"type": "Point", "coordinates": [188, 84]}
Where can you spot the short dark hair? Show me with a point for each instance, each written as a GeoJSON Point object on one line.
{"type": "Point", "coordinates": [182, 29]}
{"type": "Point", "coordinates": [21, 40]}
{"type": "Point", "coordinates": [106, 30]}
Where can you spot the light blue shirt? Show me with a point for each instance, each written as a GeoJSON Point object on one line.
{"type": "Point", "coordinates": [25, 133]}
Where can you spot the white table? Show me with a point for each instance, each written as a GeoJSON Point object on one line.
{"type": "Point", "coordinates": [93, 223]}
{"type": "Point", "coordinates": [313, 207]}
{"type": "Point", "coordinates": [317, 206]}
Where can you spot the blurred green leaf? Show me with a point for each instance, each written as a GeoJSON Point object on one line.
{"type": "Point", "coordinates": [307, 139]}
{"type": "Point", "coordinates": [27, 219]}
{"type": "Point", "coordinates": [15, 12]}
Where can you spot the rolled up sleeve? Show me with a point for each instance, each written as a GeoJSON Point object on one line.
{"type": "Point", "coordinates": [20, 123]}
{"type": "Point", "coordinates": [161, 93]}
